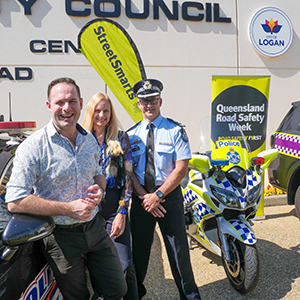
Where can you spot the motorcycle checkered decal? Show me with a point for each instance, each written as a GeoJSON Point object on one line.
{"type": "Point", "coordinates": [203, 210]}
{"type": "Point", "coordinates": [287, 144]}
{"type": "Point", "coordinates": [252, 181]}
{"type": "Point", "coordinates": [252, 178]}
{"type": "Point", "coordinates": [225, 184]}
{"type": "Point", "coordinates": [200, 209]}
{"type": "Point", "coordinates": [189, 196]}
{"type": "Point", "coordinates": [246, 234]}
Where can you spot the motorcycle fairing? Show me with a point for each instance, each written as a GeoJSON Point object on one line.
{"type": "Point", "coordinates": [190, 195]}
{"type": "Point", "coordinates": [252, 181]}
{"type": "Point", "coordinates": [238, 228]}
{"type": "Point", "coordinates": [191, 192]}
{"type": "Point", "coordinates": [252, 177]}
{"type": "Point", "coordinates": [43, 286]}
{"type": "Point", "coordinates": [225, 184]}
{"type": "Point", "coordinates": [235, 154]}
{"type": "Point", "coordinates": [200, 210]}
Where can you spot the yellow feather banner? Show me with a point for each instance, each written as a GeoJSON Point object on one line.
{"type": "Point", "coordinates": [113, 54]}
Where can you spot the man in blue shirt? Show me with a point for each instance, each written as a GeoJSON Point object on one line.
{"type": "Point", "coordinates": [56, 173]}
{"type": "Point", "coordinates": [160, 200]}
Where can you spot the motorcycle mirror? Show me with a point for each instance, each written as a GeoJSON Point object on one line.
{"type": "Point", "coordinates": [200, 162]}
{"type": "Point", "coordinates": [258, 160]}
{"type": "Point", "coordinates": [24, 228]}
{"type": "Point", "coordinates": [268, 156]}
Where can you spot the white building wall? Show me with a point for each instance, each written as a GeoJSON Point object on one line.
{"type": "Point", "coordinates": [182, 54]}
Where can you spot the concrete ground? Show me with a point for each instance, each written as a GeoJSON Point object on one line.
{"type": "Point", "coordinates": [278, 246]}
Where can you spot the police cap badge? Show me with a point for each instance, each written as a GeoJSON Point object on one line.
{"type": "Point", "coordinates": [148, 88]}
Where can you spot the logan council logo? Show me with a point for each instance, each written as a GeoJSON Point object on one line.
{"type": "Point", "coordinates": [271, 32]}
{"type": "Point", "coordinates": [271, 26]}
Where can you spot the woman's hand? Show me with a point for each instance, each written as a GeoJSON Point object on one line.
{"type": "Point", "coordinates": [118, 225]}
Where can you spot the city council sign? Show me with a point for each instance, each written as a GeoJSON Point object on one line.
{"type": "Point", "coordinates": [271, 32]}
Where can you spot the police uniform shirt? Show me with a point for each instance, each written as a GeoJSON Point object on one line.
{"type": "Point", "coordinates": [171, 145]}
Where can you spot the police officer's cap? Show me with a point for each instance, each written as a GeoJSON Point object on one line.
{"type": "Point", "coordinates": [148, 88]}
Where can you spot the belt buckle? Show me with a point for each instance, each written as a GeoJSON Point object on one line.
{"type": "Point", "coordinates": [75, 225]}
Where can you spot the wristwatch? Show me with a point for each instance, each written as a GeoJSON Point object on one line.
{"type": "Point", "coordinates": [160, 195]}
{"type": "Point", "coordinates": [104, 192]}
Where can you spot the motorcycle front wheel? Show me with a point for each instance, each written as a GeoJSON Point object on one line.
{"type": "Point", "coordinates": [243, 268]}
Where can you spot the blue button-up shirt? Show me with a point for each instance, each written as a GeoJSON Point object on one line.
{"type": "Point", "coordinates": [47, 165]}
{"type": "Point", "coordinates": [171, 145]}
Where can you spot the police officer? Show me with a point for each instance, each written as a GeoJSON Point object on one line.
{"type": "Point", "coordinates": [161, 150]}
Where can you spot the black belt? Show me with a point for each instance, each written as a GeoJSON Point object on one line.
{"type": "Point", "coordinates": [70, 226]}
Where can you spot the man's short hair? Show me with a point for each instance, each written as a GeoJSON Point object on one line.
{"type": "Point", "coordinates": [60, 80]}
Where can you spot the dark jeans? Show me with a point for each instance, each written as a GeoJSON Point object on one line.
{"type": "Point", "coordinates": [172, 227]}
{"type": "Point", "coordinates": [70, 251]}
{"type": "Point", "coordinates": [108, 208]}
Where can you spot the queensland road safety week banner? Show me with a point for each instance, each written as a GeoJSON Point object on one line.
{"type": "Point", "coordinates": [113, 54]}
{"type": "Point", "coordinates": [243, 99]}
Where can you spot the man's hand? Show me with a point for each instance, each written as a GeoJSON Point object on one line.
{"type": "Point", "coordinates": [151, 204]}
{"type": "Point", "coordinates": [81, 209]}
{"type": "Point", "coordinates": [96, 195]}
{"type": "Point", "coordinates": [159, 212]}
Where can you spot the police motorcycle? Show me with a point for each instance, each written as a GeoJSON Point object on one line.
{"type": "Point", "coordinates": [222, 191]}
{"type": "Point", "coordinates": [24, 272]}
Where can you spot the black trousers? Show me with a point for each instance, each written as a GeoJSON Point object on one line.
{"type": "Point", "coordinates": [108, 210]}
{"type": "Point", "coordinates": [70, 251]}
{"type": "Point", "coordinates": [172, 227]}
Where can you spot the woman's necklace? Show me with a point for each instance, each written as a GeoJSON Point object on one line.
{"type": "Point", "coordinates": [101, 140]}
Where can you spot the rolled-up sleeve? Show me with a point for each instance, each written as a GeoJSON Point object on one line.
{"type": "Point", "coordinates": [24, 173]}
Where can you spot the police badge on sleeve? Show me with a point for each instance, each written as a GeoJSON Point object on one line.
{"type": "Point", "coordinates": [184, 135]}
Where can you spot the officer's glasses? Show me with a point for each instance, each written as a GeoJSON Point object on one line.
{"type": "Point", "coordinates": [145, 102]}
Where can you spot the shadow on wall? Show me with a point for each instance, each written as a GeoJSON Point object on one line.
{"type": "Point", "coordinates": [286, 65]}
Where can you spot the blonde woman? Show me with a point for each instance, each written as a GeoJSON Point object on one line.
{"type": "Point", "coordinates": [116, 159]}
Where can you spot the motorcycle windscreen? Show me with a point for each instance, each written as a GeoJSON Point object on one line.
{"type": "Point", "coordinates": [232, 151]}
{"type": "Point", "coordinates": [224, 141]}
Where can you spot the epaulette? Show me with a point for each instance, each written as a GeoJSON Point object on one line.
{"type": "Point", "coordinates": [133, 126]}
{"type": "Point", "coordinates": [177, 123]}
{"type": "Point", "coordinates": [182, 130]}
